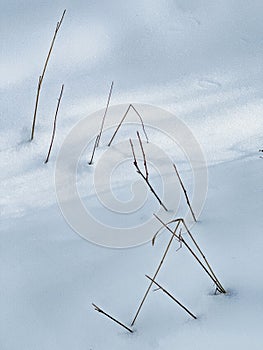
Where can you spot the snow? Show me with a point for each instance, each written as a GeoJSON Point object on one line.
{"type": "Point", "coordinates": [200, 61]}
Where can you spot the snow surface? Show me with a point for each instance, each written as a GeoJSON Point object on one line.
{"type": "Point", "coordinates": [200, 60]}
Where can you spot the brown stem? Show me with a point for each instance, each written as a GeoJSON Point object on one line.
{"type": "Point", "coordinates": [135, 163]}
{"type": "Point", "coordinates": [43, 74]}
{"type": "Point", "coordinates": [172, 297]}
{"type": "Point", "coordinates": [185, 193]}
{"type": "Point", "coordinates": [156, 273]}
{"type": "Point", "coordinates": [112, 318]}
{"type": "Point", "coordinates": [55, 123]}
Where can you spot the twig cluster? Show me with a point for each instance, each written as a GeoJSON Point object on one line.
{"type": "Point", "coordinates": [208, 269]}
{"type": "Point", "coordinates": [41, 77]}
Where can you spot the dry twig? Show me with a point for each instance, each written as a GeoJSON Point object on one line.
{"type": "Point", "coordinates": [112, 318]}
{"type": "Point", "coordinates": [55, 122]}
{"type": "Point", "coordinates": [43, 74]}
{"type": "Point", "coordinates": [181, 239]}
{"type": "Point", "coordinates": [122, 120]}
{"type": "Point", "coordinates": [97, 140]}
{"type": "Point", "coordinates": [146, 176]}
{"type": "Point", "coordinates": [172, 297]}
{"type": "Point", "coordinates": [155, 275]}
{"type": "Point", "coordinates": [185, 192]}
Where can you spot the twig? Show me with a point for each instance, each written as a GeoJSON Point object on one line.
{"type": "Point", "coordinates": [201, 253]}
{"type": "Point", "coordinates": [156, 273]}
{"type": "Point", "coordinates": [215, 280]}
{"type": "Point", "coordinates": [43, 74]}
{"type": "Point", "coordinates": [172, 297]}
{"type": "Point", "coordinates": [97, 140]}
{"type": "Point", "coordinates": [55, 123]}
{"type": "Point", "coordinates": [104, 116]}
{"type": "Point", "coordinates": [185, 193]}
{"type": "Point", "coordinates": [143, 127]}
{"type": "Point", "coordinates": [112, 318]}
{"type": "Point", "coordinates": [144, 157]}
{"type": "Point", "coordinates": [135, 163]}
{"type": "Point", "coordinates": [94, 148]}
{"type": "Point", "coordinates": [122, 120]}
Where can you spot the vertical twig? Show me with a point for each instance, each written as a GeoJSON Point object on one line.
{"type": "Point", "coordinates": [97, 140]}
{"type": "Point", "coordinates": [155, 275]}
{"type": "Point", "coordinates": [43, 74]}
{"type": "Point", "coordinates": [144, 156]}
{"type": "Point", "coordinates": [185, 193]}
{"type": "Point", "coordinates": [172, 297]}
{"type": "Point", "coordinates": [106, 110]}
{"type": "Point", "coordinates": [181, 239]}
{"type": "Point", "coordinates": [55, 123]}
{"type": "Point", "coordinates": [112, 318]}
{"type": "Point", "coordinates": [94, 148]}
{"type": "Point", "coordinates": [122, 120]}
{"type": "Point", "coordinates": [135, 163]}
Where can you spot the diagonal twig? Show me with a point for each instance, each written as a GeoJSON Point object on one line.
{"type": "Point", "coordinates": [55, 123]}
{"type": "Point", "coordinates": [172, 297]}
{"type": "Point", "coordinates": [110, 317]}
{"type": "Point", "coordinates": [135, 163]}
{"type": "Point", "coordinates": [185, 192]}
{"type": "Point", "coordinates": [156, 273]}
{"type": "Point", "coordinates": [201, 253]}
{"type": "Point", "coordinates": [97, 140]}
{"type": "Point", "coordinates": [144, 156]}
{"type": "Point", "coordinates": [43, 74]}
{"type": "Point", "coordinates": [215, 280]}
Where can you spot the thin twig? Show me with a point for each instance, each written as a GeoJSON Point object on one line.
{"type": "Point", "coordinates": [43, 74]}
{"type": "Point", "coordinates": [201, 253]}
{"type": "Point", "coordinates": [172, 297]}
{"type": "Point", "coordinates": [94, 148]}
{"type": "Point", "coordinates": [185, 193]}
{"type": "Point", "coordinates": [143, 127]}
{"type": "Point", "coordinates": [135, 163]}
{"type": "Point", "coordinates": [106, 110]}
{"type": "Point", "coordinates": [112, 318]}
{"type": "Point", "coordinates": [55, 123]}
{"type": "Point", "coordinates": [97, 140]}
{"type": "Point", "coordinates": [122, 120]}
{"type": "Point", "coordinates": [215, 280]}
{"type": "Point", "coordinates": [156, 273]}
{"type": "Point", "coordinates": [144, 156]}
